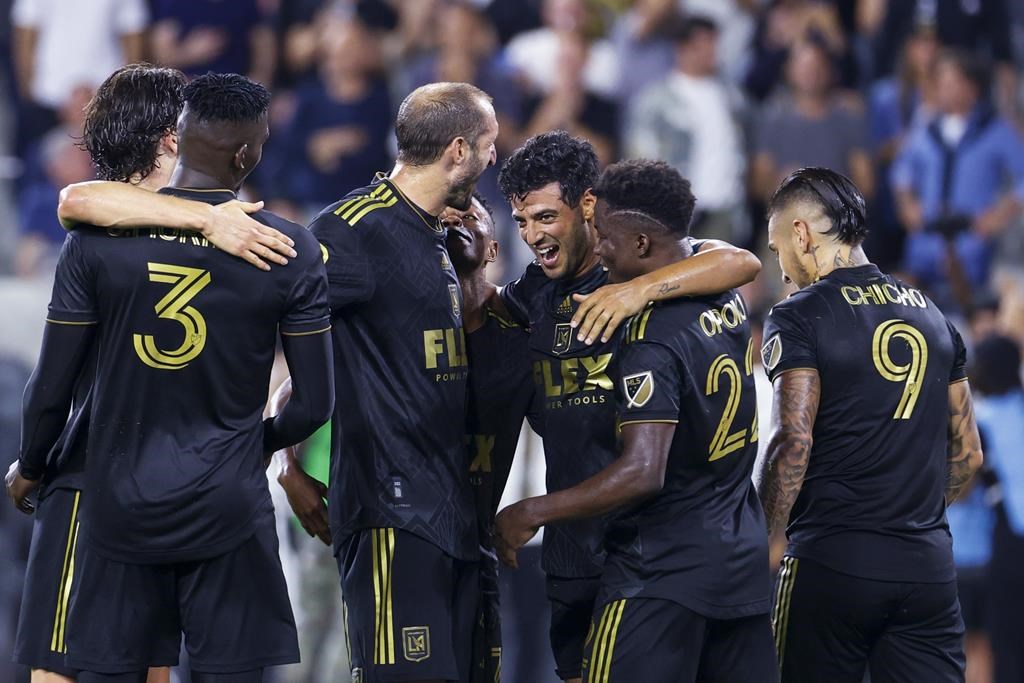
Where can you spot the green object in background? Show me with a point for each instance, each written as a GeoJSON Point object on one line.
{"type": "Point", "coordinates": [315, 458]}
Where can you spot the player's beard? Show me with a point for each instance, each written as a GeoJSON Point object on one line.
{"type": "Point", "coordinates": [460, 192]}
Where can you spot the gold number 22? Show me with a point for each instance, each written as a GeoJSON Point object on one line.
{"type": "Point", "coordinates": [186, 283]}
{"type": "Point", "coordinates": [723, 442]}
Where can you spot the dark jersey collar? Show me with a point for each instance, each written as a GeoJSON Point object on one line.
{"type": "Point", "coordinates": [217, 196]}
{"type": "Point", "coordinates": [868, 271]}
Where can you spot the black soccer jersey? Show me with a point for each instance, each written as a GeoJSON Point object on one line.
{"type": "Point", "coordinates": [701, 541]}
{"type": "Point", "coordinates": [65, 467]}
{"type": "Point", "coordinates": [577, 407]}
{"type": "Point", "coordinates": [186, 342]}
{"type": "Point", "coordinates": [500, 397]}
{"type": "Point", "coordinates": [872, 503]}
{"type": "Point", "coordinates": [397, 454]}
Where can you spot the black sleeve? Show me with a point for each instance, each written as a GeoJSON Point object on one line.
{"type": "Point", "coordinates": [650, 386]}
{"type": "Point", "coordinates": [311, 365]}
{"type": "Point", "coordinates": [306, 308]}
{"type": "Point", "coordinates": [789, 342]}
{"type": "Point", "coordinates": [350, 273]}
{"type": "Point", "coordinates": [49, 392]}
{"type": "Point", "coordinates": [959, 369]}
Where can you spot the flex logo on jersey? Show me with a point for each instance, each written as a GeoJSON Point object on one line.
{"type": "Point", "coordinates": [445, 348]}
{"type": "Point", "coordinates": [563, 338]}
{"type": "Point", "coordinates": [638, 389]}
{"type": "Point", "coordinates": [563, 378]}
{"type": "Point", "coordinates": [771, 353]}
{"type": "Point", "coordinates": [416, 643]}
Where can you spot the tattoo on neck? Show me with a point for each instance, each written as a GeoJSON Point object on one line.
{"type": "Point", "coordinates": [841, 261]}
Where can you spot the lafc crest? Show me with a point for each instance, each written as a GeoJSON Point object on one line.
{"type": "Point", "coordinates": [453, 292]}
{"type": "Point", "coordinates": [563, 338]}
{"type": "Point", "coordinates": [771, 352]}
{"type": "Point", "coordinates": [416, 643]}
{"type": "Point", "coordinates": [638, 388]}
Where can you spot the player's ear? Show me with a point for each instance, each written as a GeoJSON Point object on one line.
{"type": "Point", "coordinates": [642, 244]}
{"type": "Point", "coordinates": [802, 236]}
{"type": "Point", "coordinates": [240, 157]}
{"type": "Point", "coordinates": [587, 203]}
{"type": "Point", "coordinates": [460, 151]}
{"type": "Point", "coordinates": [491, 254]}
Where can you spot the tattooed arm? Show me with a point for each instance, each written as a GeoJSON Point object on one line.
{"type": "Point", "coordinates": [794, 409]}
{"type": "Point", "coordinates": [964, 455]}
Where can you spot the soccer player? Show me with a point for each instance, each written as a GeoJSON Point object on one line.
{"type": "Point", "coordinates": [401, 507]}
{"type": "Point", "coordinates": [548, 182]}
{"type": "Point", "coordinates": [500, 396]}
{"type": "Point", "coordinates": [684, 592]}
{"type": "Point", "coordinates": [873, 433]}
{"type": "Point", "coordinates": [177, 533]}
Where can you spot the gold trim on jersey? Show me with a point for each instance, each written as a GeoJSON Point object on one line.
{"type": "Point", "coordinates": [384, 627]}
{"type": "Point", "coordinates": [68, 322]}
{"type": "Point", "coordinates": [67, 574]}
{"type": "Point", "coordinates": [642, 422]}
{"type": "Point", "coordinates": [637, 326]}
{"type": "Point", "coordinates": [957, 381]}
{"type": "Point", "coordinates": [306, 334]}
{"type": "Point", "coordinates": [783, 599]}
{"type": "Point", "coordinates": [604, 642]}
{"type": "Point", "coordinates": [353, 210]}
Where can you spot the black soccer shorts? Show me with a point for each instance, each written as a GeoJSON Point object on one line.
{"type": "Point", "coordinates": [41, 642]}
{"type": "Point", "coordinates": [410, 608]}
{"type": "Point", "coordinates": [572, 604]}
{"type": "Point", "coordinates": [487, 627]}
{"type": "Point", "coordinates": [660, 641]}
{"type": "Point", "coordinates": [831, 626]}
{"type": "Point", "coordinates": [233, 610]}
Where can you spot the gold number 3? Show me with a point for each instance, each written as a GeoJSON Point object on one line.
{"type": "Point", "coordinates": [187, 282]}
{"type": "Point", "coordinates": [912, 374]}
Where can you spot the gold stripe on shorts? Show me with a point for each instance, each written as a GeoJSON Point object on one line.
{"type": "Point", "coordinates": [783, 599]}
{"type": "Point", "coordinates": [57, 643]}
{"type": "Point", "coordinates": [604, 642]}
{"type": "Point", "coordinates": [384, 628]}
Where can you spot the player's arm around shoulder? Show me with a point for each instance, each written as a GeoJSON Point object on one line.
{"type": "Point", "coordinates": [228, 226]}
{"type": "Point", "coordinates": [714, 267]}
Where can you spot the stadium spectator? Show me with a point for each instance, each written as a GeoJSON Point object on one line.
{"type": "Point", "coordinates": [812, 128]}
{"type": "Point", "coordinates": [571, 106]}
{"type": "Point", "coordinates": [197, 36]}
{"type": "Point", "coordinates": [1001, 421]}
{"type": "Point", "coordinates": [337, 136]}
{"type": "Point", "coordinates": [534, 53]}
{"type": "Point", "coordinates": [60, 45]}
{"type": "Point", "coordinates": [642, 37]}
{"type": "Point", "coordinates": [959, 182]}
{"type": "Point", "coordinates": [691, 119]}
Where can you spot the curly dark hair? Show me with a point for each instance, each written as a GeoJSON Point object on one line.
{"type": "Point", "coordinates": [548, 158]}
{"type": "Point", "coordinates": [230, 98]}
{"type": "Point", "coordinates": [837, 196]}
{"type": "Point", "coordinates": [128, 116]}
{"type": "Point", "coordinates": [433, 115]}
{"type": "Point", "coordinates": [652, 188]}
{"type": "Point", "coordinates": [484, 203]}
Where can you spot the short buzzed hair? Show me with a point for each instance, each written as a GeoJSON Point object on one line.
{"type": "Point", "coordinates": [435, 114]}
{"type": "Point", "coordinates": [228, 98]}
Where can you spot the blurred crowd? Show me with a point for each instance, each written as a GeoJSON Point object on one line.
{"type": "Point", "coordinates": [918, 101]}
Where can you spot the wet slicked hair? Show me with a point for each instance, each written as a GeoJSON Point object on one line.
{"type": "Point", "coordinates": [653, 189]}
{"type": "Point", "coordinates": [548, 158]}
{"type": "Point", "coordinates": [834, 193]}
{"type": "Point", "coordinates": [433, 115]}
{"type": "Point", "coordinates": [230, 98]}
{"type": "Point", "coordinates": [131, 112]}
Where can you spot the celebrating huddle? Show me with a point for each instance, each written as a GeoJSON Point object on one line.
{"type": "Point", "coordinates": [625, 345]}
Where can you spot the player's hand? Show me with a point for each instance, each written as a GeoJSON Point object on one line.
{"type": "Point", "coordinates": [602, 311]}
{"type": "Point", "coordinates": [232, 230]}
{"type": "Point", "coordinates": [306, 496]}
{"type": "Point", "coordinates": [19, 488]}
{"type": "Point", "coordinates": [513, 528]}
